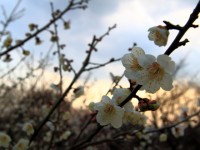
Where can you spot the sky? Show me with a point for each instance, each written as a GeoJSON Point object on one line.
{"type": "Point", "coordinates": [133, 19]}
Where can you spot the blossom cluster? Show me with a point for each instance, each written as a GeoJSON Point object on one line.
{"type": "Point", "coordinates": [148, 71]}
{"type": "Point", "coordinates": [109, 111]}
{"type": "Point", "coordinates": [145, 69]}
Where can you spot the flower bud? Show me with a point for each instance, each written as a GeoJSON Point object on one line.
{"type": "Point", "coordinates": [153, 105]}
{"type": "Point", "coordinates": [28, 128]}
{"type": "Point", "coordinates": [91, 106]}
{"type": "Point", "coordinates": [26, 52]}
{"type": "Point", "coordinates": [8, 41]}
{"type": "Point", "coordinates": [78, 91]}
{"type": "Point", "coordinates": [158, 34]}
{"type": "Point", "coordinates": [163, 137]}
{"type": "Point", "coordinates": [7, 58]}
{"type": "Point", "coordinates": [66, 25]}
{"type": "Point", "coordinates": [143, 106]}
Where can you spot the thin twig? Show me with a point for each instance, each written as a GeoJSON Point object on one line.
{"type": "Point", "coordinates": [102, 65]}
{"type": "Point", "coordinates": [176, 43]}
{"type": "Point", "coordinates": [71, 6]}
{"type": "Point", "coordinates": [58, 50]}
{"type": "Point", "coordinates": [92, 48]}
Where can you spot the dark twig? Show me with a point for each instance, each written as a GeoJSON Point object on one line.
{"type": "Point", "coordinates": [176, 43]}
{"type": "Point", "coordinates": [92, 48]}
{"type": "Point", "coordinates": [85, 126]}
{"type": "Point", "coordinates": [101, 65]}
{"type": "Point", "coordinates": [170, 26]}
{"type": "Point", "coordinates": [12, 17]}
{"type": "Point", "coordinates": [72, 5]}
{"type": "Point", "coordinates": [13, 68]}
{"type": "Point", "coordinates": [173, 125]}
{"type": "Point", "coordinates": [58, 50]}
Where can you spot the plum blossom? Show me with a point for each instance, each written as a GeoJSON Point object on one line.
{"type": "Point", "coordinates": [4, 140]}
{"type": "Point", "coordinates": [134, 117]}
{"type": "Point", "coordinates": [155, 73]}
{"type": "Point", "coordinates": [79, 91]}
{"type": "Point", "coordinates": [130, 62]}
{"type": "Point", "coordinates": [22, 144]}
{"type": "Point", "coordinates": [163, 137]}
{"type": "Point", "coordinates": [28, 128]}
{"type": "Point", "coordinates": [158, 34]}
{"type": "Point", "coordinates": [119, 95]}
{"type": "Point", "coordinates": [178, 131]}
{"type": "Point", "coordinates": [109, 113]}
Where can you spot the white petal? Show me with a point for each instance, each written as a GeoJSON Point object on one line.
{"type": "Point", "coordinates": [128, 106]}
{"type": "Point", "coordinates": [130, 74]}
{"type": "Point", "coordinates": [137, 51]}
{"type": "Point", "coordinates": [102, 119]}
{"type": "Point", "coordinates": [98, 106]}
{"type": "Point", "coordinates": [146, 60]}
{"type": "Point", "coordinates": [116, 121]}
{"type": "Point", "coordinates": [152, 86]}
{"type": "Point", "coordinates": [141, 77]}
{"type": "Point", "coordinates": [166, 63]}
{"type": "Point", "coordinates": [105, 99]}
{"type": "Point", "coordinates": [127, 60]}
{"type": "Point", "coordinates": [166, 82]}
{"type": "Point", "coordinates": [171, 67]}
{"type": "Point", "coordinates": [163, 60]}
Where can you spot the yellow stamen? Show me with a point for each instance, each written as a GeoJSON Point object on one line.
{"type": "Point", "coordinates": [135, 65]}
{"type": "Point", "coordinates": [109, 109]}
{"type": "Point", "coordinates": [155, 72]}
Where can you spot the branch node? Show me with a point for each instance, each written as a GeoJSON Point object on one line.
{"type": "Point", "coordinates": [170, 26]}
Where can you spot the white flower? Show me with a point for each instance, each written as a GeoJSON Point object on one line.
{"type": "Point", "coordinates": [109, 113]}
{"type": "Point", "coordinates": [78, 91]}
{"type": "Point", "coordinates": [155, 74]}
{"type": "Point", "coordinates": [22, 144]}
{"type": "Point", "coordinates": [50, 125]}
{"type": "Point", "coordinates": [130, 62]}
{"type": "Point", "coordinates": [66, 115]}
{"type": "Point", "coordinates": [158, 34]}
{"type": "Point", "coordinates": [178, 131]}
{"type": "Point", "coordinates": [28, 128]}
{"type": "Point", "coordinates": [47, 136]}
{"type": "Point", "coordinates": [134, 117]}
{"type": "Point", "coordinates": [119, 95]}
{"type": "Point", "coordinates": [91, 106]}
{"type": "Point", "coordinates": [163, 137]}
{"type": "Point", "coordinates": [4, 140]}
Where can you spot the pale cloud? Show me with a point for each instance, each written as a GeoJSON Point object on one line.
{"type": "Point", "coordinates": [133, 18]}
{"type": "Point", "coordinates": [129, 15]}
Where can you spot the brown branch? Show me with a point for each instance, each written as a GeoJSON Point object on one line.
{"type": "Point", "coordinates": [58, 50]}
{"type": "Point", "coordinates": [92, 48]}
{"type": "Point", "coordinates": [102, 65]}
{"type": "Point", "coordinates": [173, 125]}
{"type": "Point", "coordinates": [71, 6]}
{"type": "Point", "coordinates": [176, 43]}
